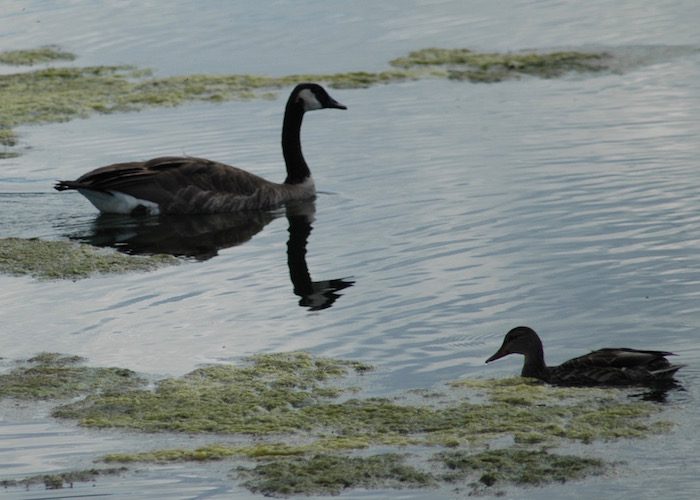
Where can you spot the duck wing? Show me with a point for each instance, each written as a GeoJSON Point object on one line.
{"type": "Point", "coordinates": [615, 366]}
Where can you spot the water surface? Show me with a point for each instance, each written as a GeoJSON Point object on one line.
{"type": "Point", "coordinates": [455, 211]}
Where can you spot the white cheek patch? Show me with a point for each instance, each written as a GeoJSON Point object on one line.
{"type": "Point", "coordinates": [309, 100]}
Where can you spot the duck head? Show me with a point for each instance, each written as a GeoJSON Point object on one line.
{"type": "Point", "coordinates": [520, 340]}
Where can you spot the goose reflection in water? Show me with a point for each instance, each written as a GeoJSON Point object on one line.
{"type": "Point", "coordinates": [315, 295]}
{"type": "Point", "coordinates": [201, 237]}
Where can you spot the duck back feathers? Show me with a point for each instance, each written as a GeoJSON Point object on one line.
{"type": "Point", "coordinates": [614, 366]}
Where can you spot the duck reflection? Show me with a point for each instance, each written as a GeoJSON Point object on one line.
{"type": "Point", "coordinates": [658, 393]}
{"type": "Point", "coordinates": [201, 237]}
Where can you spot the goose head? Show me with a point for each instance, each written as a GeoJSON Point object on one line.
{"type": "Point", "coordinates": [311, 96]}
{"type": "Point", "coordinates": [520, 340]}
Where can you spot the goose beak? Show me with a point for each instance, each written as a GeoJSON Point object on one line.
{"type": "Point", "coordinates": [332, 103]}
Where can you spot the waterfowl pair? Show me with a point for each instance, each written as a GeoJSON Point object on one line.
{"type": "Point", "coordinates": [186, 185]}
{"type": "Point", "coordinates": [609, 366]}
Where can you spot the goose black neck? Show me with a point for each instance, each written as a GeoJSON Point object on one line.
{"type": "Point", "coordinates": [535, 366]}
{"type": "Point", "coordinates": [297, 169]}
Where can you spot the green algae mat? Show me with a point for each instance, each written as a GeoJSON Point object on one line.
{"type": "Point", "coordinates": [49, 260]}
{"type": "Point", "coordinates": [295, 424]}
{"type": "Point", "coordinates": [64, 92]}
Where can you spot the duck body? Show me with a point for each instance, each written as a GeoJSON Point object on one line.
{"type": "Point", "coordinates": [608, 366]}
{"type": "Point", "coordinates": [189, 185]}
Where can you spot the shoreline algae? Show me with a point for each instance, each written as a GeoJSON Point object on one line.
{"type": "Point", "coordinates": [464, 64]}
{"type": "Point", "coordinates": [63, 93]}
{"type": "Point", "coordinates": [30, 57]}
{"type": "Point", "coordinates": [291, 418]}
{"type": "Point", "coordinates": [330, 475]}
{"type": "Point", "coordinates": [54, 376]}
{"type": "Point", "coordinates": [518, 466]}
{"type": "Point", "coordinates": [51, 260]}
{"type": "Point", "coordinates": [62, 479]}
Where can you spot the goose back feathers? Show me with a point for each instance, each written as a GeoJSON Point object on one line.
{"type": "Point", "coordinates": [608, 366]}
{"type": "Point", "coordinates": [197, 185]}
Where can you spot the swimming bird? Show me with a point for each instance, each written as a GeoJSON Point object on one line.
{"type": "Point", "coordinates": [609, 366]}
{"type": "Point", "coordinates": [187, 185]}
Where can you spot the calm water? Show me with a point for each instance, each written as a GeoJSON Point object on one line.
{"type": "Point", "coordinates": [450, 213]}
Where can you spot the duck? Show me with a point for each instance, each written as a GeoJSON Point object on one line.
{"type": "Point", "coordinates": [608, 366]}
{"type": "Point", "coordinates": [189, 185]}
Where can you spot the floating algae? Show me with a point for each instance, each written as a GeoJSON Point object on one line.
{"type": "Point", "coordinates": [67, 260]}
{"type": "Point", "coordinates": [464, 64]}
{"type": "Point", "coordinates": [518, 466]}
{"type": "Point", "coordinates": [284, 394]}
{"type": "Point", "coordinates": [329, 475]}
{"type": "Point", "coordinates": [264, 397]}
{"type": "Point", "coordinates": [31, 57]}
{"type": "Point", "coordinates": [60, 480]}
{"type": "Point", "coordinates": [68, 92]}
{"type": "Point", "coordinates": [290, 416]}
{"type": "Point", "coordinates": [54, 376]}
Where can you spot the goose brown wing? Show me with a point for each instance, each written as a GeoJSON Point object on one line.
{"type": "Point", "coordinates": [161, 179]}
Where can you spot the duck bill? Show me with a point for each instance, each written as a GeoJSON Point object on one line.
{"type": "Point", "coordinates": [499, 354]}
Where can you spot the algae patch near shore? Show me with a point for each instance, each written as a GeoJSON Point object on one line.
{"type": "Point", "coordinates": [464, 64]}
{"type": "Point", "coordinates": [55, 376]}
{"type": "Point", "coordinates": [282, 394]}
{"type": "Point", "coordinates": [31, 57]}
{"type": "Point", "coordinates": [67, 260]}
{"type": "Point", "coordinates": [56, 94]}
{"type": "Point", "coordinates": [62, 479]}
{"type": "Point", "coordinates": [291, 416]}
{"type": "Point", "coordinates": [289, 403]}
{"type": "Point", "coordinates": [517, 466]}
{"type": "Point", "coordinates": [329, 475]}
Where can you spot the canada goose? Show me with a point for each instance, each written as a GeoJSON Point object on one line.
{"type": "Point", "coordinates": [609, 366]}
{"type": "Point", "coordinates": [186, 185]}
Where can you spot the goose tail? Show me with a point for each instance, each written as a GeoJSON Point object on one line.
{"type": "Point", "coordinates": [66, 185]}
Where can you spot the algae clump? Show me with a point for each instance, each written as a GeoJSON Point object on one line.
{"type": "Point", "coordinates": [329, 474]}
{"type": "Point", "coordinates": [30, 57]}
{"type": "Point", "coordinates": [54, 376]}
{"type": "Point", "coordinates": [202, 454]}
{"type": "Point", "coordinates": [66, 260]}
{"type": "Point", "coordinates": [292, 405]}
{"type": "Point", "coordinates": [464, 64]}
{"type": "Point", "coordinates": [284, 393]}
{"type": "Point", "coordinates": [60, 480]}
{"type": "Point", "coordinates": [68, 92]}
{"type": "Point", "coordinates": [518, 466]}
{"type": "Point", "coordinates": [264, 397]}
{"type": "Point", "coordinates": [530, 412]}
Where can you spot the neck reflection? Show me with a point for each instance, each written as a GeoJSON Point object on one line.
{"type": "Point", "coordinates": [316, 295]}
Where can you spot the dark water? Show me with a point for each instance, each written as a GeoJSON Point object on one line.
{"type": "Point", "coordinates": [449, 213]}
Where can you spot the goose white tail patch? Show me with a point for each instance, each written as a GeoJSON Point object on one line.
{"type": "Point", "coordinates": [115, 202]}
{"type": "Point", "coordinates": [310, 101]}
